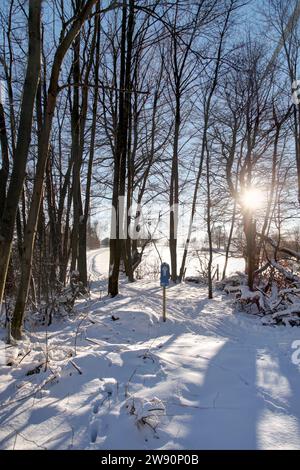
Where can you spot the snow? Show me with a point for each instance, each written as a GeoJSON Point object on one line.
{"type": "Point", "coordinates": [98, 261]}
{"type": "Point", "coordinates": [287, 311]}
{"type": "Point", "coordinates": [208, 378]}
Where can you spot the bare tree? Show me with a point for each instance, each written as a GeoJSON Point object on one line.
{"type": "Point", "coordinates": [67, 37]}
{"type": "Point", "coordinates": [14, 191]}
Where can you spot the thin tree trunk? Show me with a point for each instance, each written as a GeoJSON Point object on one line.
{"type": "Point", "coordinates": [207, 108]}
{"type": "Point", "coordinates": [5, 160]}
{"type": "Point", "coordinates": [76, 154]}
{"type": "Point", "coordinates": [209, 229]}
{"type": "Point", "coordinates": [130, 169]}
{"type": "Point", "coordinates": [229, 240]}
{"type": "Point", "coordinates": [250, 233]}
{"type": "Point", "coordinates": [174, 192]}
{"type": "Point", "coordinates": [82, 234]}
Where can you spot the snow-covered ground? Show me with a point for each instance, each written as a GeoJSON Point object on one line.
{"type": "Point", "coordinates": [151, 261]}
{"type": "Point", "coordinates": [117, 377]}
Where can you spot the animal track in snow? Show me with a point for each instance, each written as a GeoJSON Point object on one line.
{"type": "Point", "coordinates": [94, 432]}
{"type": "Point", "coordinates": [98, 427]}
{"type": "Point", "coordinates": [96, 407]}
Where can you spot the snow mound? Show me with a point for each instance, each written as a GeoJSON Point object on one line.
{"type": "Point", "coordinates": [146, 411]}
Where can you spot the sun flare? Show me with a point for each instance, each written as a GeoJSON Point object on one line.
{"type": "Point", "coordinates": [252, 198]}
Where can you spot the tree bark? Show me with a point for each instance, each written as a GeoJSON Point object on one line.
{"type": "Point", "coordinates": [29, 237]}
{"type": "Point", "coordinates": [5, 159]}
{"type": "Point", "coordinates": [82, 233]}
{"type": "Point", "coordinates": [120, 157]}
{"type": "Point", "coordinates": [209, 225]}
{"type": "Point", "coordinates": [76, 154]}
{"type": "Point", "coordinates": [8, 219]}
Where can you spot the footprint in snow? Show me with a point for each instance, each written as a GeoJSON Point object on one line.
{"type": "Point", "coordinates": [98, 430]}
{"type": "Point", "coordinates": [98, 427]}
{"type": "Point", "coordinates": [94, 432]}
{"type": "Point", "coordinates": [96, 407]}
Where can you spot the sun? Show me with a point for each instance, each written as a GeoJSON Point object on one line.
{"type": "Point", "coordinates": [251, 199]}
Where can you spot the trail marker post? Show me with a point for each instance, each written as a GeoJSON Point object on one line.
{"type": "Point", "coordinates": [164, 282]}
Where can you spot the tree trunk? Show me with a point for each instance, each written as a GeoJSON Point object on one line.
{"type": "Point", "coordinates": [174, 193]}
{"type": "Point", "coordinates": [82, 233]}
{"type": "Point", "coordinates": [29, 236]}
{"type": "Point", "coordinates": [76, 154]}
{"type": "Point", "coordinates": [229, 241]}
{"type": "Point", "coordinates": [251, 248]}
{"type": "Point", "coordinates": [8, 219]}
{"type": "Point", "coordinates": [5, 160]}
{"type": "Point", "coordinates": [117, 241]}
{"type": "Point", "coordinates": [207, 108]}
{"type": "Point", "coordinates": [209, 229]}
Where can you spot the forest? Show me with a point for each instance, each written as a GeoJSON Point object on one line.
{"type": "Point", "coordinates": [139, 139]}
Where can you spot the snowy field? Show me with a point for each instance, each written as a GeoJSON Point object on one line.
{"type": "Point", "coordinates": [115, 377]}
{"type": "Point", "coordinates": [151, 262]}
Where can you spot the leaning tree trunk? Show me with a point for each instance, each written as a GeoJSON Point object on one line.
{"type": "Point", "coordinates": [14, 192]}
{"type": "Point", "coordinates": [31, 226]}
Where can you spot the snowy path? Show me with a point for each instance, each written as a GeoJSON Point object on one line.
{"type": "Point", "coordinates": [223, 380]}
{"type": "Point", "coordinates": [97, 262]}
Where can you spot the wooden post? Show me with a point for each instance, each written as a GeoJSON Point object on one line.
{"type": "Point", "coordinates": [164, 304]}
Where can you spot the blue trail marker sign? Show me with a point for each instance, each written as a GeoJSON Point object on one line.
{"type": "Point", "coordinates": [164, 275]}
{"type": "Point", "coordinates": [164, 282]}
